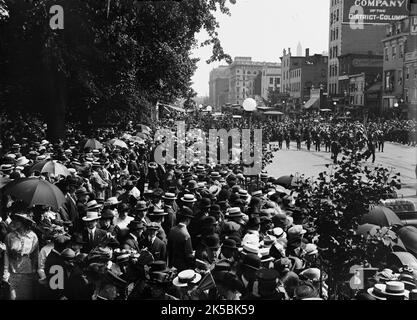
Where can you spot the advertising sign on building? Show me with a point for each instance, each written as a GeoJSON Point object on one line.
{"type": "Point", "coordinates": [357, 13]}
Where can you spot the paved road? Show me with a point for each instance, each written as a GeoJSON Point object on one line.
{"type": "Point", "coordinates": [400, 158]}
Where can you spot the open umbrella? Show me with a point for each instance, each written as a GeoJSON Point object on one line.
{"type": "Point", "coordinates": [144, 128]}
{"type": "Point", "coordinates": [93, 144]}
{"type": "Point", "coordinates": [142, 135]}
{"type": "Point", "coordinates": [137, 139]}
{"type": "Point", "coordinates": [35, 191]}
{"type": "Point", "coordinates": [408, 235]}
{"type": "Point", "coordinates": [370, 230]}
{"type": "Point", "coordinates": [4, 181]}
{"type": "Point", "coordinates": [118, 143]}
{"type": "Point", "coordinates": [400, 259]}
{"type": "Point", "coordinates": [126, 136]}
{"type": "Point", "coordinates": [381, 216]}
{"type": "Point", "coordinates": [284, 181]}
{"type": "Point", "coordinates": [52, 167]}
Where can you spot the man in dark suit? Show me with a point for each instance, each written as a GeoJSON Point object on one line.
{"type": "Point", "coordinates": [92, 235]}
{"type": "Point", "coordinates": [153, 244]}
{"type": "Point", "coordinates": [180, 249]}
{"type": "Point", "coordinates": [171, 217]}
{"type": "Point", "coordinates": [134, 237]}
{"type": "Point", "coordinates": [70, 205]}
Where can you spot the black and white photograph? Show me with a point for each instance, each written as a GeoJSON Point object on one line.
{"type": "Point", "coordinates": [218, 152]}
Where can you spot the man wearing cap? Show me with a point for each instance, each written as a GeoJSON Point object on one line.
{"type": "Point", "coordinates": [92, 235]}
{"type": "Point", "coordinates": [153, 244]}
{"type": "Point", "coordinates": [180, 249]}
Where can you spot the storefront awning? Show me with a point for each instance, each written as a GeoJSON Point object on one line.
{"type": "Point", "coordinates": [311, 102]}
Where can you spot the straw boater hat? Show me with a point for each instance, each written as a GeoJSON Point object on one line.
{"type": "Point", "coordinates": [23, 217]}
{"type": "Point", "coordinates": [186, 278]}
{"type": "Point", "coordinates": [112, 201]}
{"type": "Point", "coordinates": [392, 290]}
{"type": "Point", "coordinates": [234, 212]}
{"type": "Point", "coordinates": [93, 205]}
{"type": "Point", "coordinates": [169, 196]}
{"type": "Point", "coordinates": [91, 216]}
{"type": "Point", "coordinates": [188, 198]}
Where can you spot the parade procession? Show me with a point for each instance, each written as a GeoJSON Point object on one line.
{"type": "Point", "coordinates": [290, 180]}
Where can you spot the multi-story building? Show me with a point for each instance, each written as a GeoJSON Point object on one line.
{"type": "Point", "coordinates": [358, 27]}
{"type": "Point", "coordinates": [352, 66]}
{"type": "Point", "coordinates": [270, 80]}
{"type": "Point", "coordinates": [301, 74]}
{"type": "Point", "coordinates": [395, 44]}
{"type": "Point", "coordinates": [219, 86]}
{"type": "Point", "coordinates": [243, 74]}
{"type": "Point", "coordinates": [410, 66]}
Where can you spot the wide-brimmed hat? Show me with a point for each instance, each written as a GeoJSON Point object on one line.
{"type": "Point", "coordinates": [153, 165]}
{"type": "Point", "coordinates": [158, 213]}
{"type": "Point", "coordinates": [112, 201]}
{"type": "Point", "coordinates": [186, 212]}
{"type": "Point", "coordinates": [6, 167]}
{"type": "Point", "coordinates": [169, 196]}
{"type": "Point", "coordinates": [153, 226]}
{"type": "Point", "coordinates": [215, 175]}
{"type": "Point", "coordinates": [215, 190]}
{"type": "Point", "coordinates": [251, 261]}
{"type": "Point", "coordinates": [159, 266]}
{"type": "Point", "coordinates": [205, 203]}
{"type": "Point", "coordinates": [135, 225]}
{"type": "Point", "coordinates": [311, 249]}
{"type": "Point", "coordinates": [93, 205]}
{"type": "Point", "coordinates": [392, 290]}
{"type": "Point", "coordinates": [186, 278]}
{"type": "Point", "coordinates": [23, 217]}
{"type": "Point", "coordinates": [141, 206]}
{"type": "Point", "coordinates": [243, 193]}
{"type": "Point", "coordinates": [268, 241]}
{"type": "Point", "coordinates": [229, 243]}
{"type": "Point", "coordinates": [107, 214]}
{"type": "Point", "coordinates": [192, 185]}
{"type": "Point", "coordinates": [215, 208]}
{"type": "Point", "coordinates": [22, 161]}
{"type": "Point", "coordinates": [91, 216]}
{"type": "Point", "coordinates": [212, 241]}
{"type": "Point", "coordinates": [82, 191]}
{"type": "Point", "coordinates": [408, 280]}
{"type": "Point", "coordinates": [234, 212]}
{"type": "Point", "coordinates": [296, 231]}
{"type": "Point", "coordinates": [257, 193]}
{"type": "Point", "coordinates": [313, 274]}
{"type": "Point", "coordinates": [188, 198]}
{"type": "Point", "coordinates": [68, 254]}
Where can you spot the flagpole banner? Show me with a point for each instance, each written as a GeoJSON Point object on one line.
{"type": "Point", "coordinates": [374, 11]}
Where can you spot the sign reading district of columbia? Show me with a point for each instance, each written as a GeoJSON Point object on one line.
{"type": "Point", "coordinates": [374, 11]}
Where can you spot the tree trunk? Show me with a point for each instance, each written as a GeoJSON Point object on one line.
{"type": "Point", "coordinates": [55, 116]}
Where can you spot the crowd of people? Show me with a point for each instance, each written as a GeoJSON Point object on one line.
{"type": "Point", "coordinates": [132, 229]}
{"type": "Point", "coordinates": [333, 136]}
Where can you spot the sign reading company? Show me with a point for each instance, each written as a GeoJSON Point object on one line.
{"type": "Point", "coordinates": [360, 12]}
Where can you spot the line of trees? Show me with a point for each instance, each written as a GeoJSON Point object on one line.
{"type": "Point", "coordinates": [111, 56]}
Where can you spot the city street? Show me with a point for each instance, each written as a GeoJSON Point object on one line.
{"type": "Point", "coordinates": [399, 157]}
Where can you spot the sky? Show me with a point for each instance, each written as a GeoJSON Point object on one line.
{"type": "Point", "coordinates": [261, 29]}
